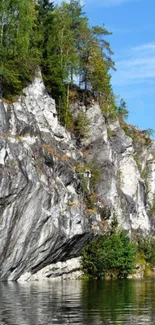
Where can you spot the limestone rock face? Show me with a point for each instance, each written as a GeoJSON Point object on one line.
{"type": "Point", "coordinates": [42, 218]}
{"type": "Point", "coordinates": [126, 169]}
{"type": "Point", "coordinates": [70, 269]}
{"type": "Point", "coordinates": [43, 214]}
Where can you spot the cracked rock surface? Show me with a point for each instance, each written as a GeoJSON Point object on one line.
{"type": "Point", "coordinates": [43, 217]}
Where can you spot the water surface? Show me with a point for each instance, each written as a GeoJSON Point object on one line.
{"type": "Point", "coordinates": [125, 302]}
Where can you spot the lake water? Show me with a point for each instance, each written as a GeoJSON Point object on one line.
{"type": "Point", "coordinates": [127, 302]}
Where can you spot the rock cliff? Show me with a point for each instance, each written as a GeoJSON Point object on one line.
{"type": "Point", "coordinates": [48, 209]}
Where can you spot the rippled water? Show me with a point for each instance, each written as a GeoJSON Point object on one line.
{"type": "Point", "coordinates": [127, 302]}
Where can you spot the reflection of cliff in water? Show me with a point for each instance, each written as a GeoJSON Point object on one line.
{"type": "Point", "coordinates": [46, 303]}
{"type": "Point", "coordinates": [125, 302]}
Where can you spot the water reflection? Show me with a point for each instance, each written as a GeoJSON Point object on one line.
{"type": "Point", "coordinates": [123, 302]}
{"type": "Point", "coordinates": [42, 303]}
{"type": "Point", "coordinates": [78, 302]}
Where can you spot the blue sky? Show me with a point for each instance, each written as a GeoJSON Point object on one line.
{"type": "Point", "coordinates": [132, 23]}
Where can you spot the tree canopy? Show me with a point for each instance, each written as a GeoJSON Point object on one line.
{"type": "Point", "coordinates": [60, 40]}
{"type": "Point", "coordinates": [113, 255]}
{"type": "Point", "coordinates": [17, 55]}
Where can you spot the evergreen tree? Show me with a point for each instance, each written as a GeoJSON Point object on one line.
{"type": "Point", "coordinates": [122, 111]}
{"type": "Point", "coordinates": [113, 255]}
{"type": "Point", "coordinates": [17, 23]}
{"type": "Point", "coordinates": [62, 42]}
{"type": "Point", "coordinates": [60, 59]}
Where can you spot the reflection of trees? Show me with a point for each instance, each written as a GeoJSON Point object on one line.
{"type": "Point", "coordinates": [124, 302]}
{"type": "Point", "coordinates": [130, 300]}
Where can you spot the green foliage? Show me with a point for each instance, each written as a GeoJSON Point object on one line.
{"type": "Point", "coordinates": [114, 254]}
{"type": "Point", "coordinates": [146, 247]}
{"type": "Point", "coordinates": [151, 132]}
{"type": "Point", "coordinates": [126, 129]}
{"type": "Point", "coordinates": [60, 60]}
{"type": "Point", "coordinates": [81, 125]}
{"type": "Point", "coordinates": [18, 58]}
{"type": "Point", "coordinates": [52, 71]}
{"type": "Point", "coordinates": [144, 175]}
{"type": "Point", "coordinates": [137, 160]}
{"type": "Point", "coordinates": [62, 42]}
{"type": "Point", "coordinates": [152, 208]}
{"type": "Point", "coordinates": [121, 110]}
{"type": "Point", "coordinates": [110, 132]}
{"type": "Point", "coordinates": [95, 175]}
{"type": "Point", "coordinates": [144, 171]}
{"type": "Point", "coordinates": [114, 223]}
{"type": "Point", "coordinates": [108, 107]}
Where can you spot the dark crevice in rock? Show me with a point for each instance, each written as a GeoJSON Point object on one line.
{"type": "Point", "coordinates": [59, 274]}
{"type": "Point", "coordinates": [71, 248]}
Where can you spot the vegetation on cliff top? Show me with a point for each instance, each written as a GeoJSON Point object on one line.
{"type": "Point", "coordinates": [71, 54]}
{"type": "Point", "coordinates": [61, 41]}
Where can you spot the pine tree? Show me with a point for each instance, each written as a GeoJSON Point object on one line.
{"type": "Point", "coordinates": [62, 42]}
{"type": "Point", "coordinates": [18, 20]}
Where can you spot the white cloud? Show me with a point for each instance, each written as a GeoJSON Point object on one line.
{"type": "Point", "coordinates": [137, 65]}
